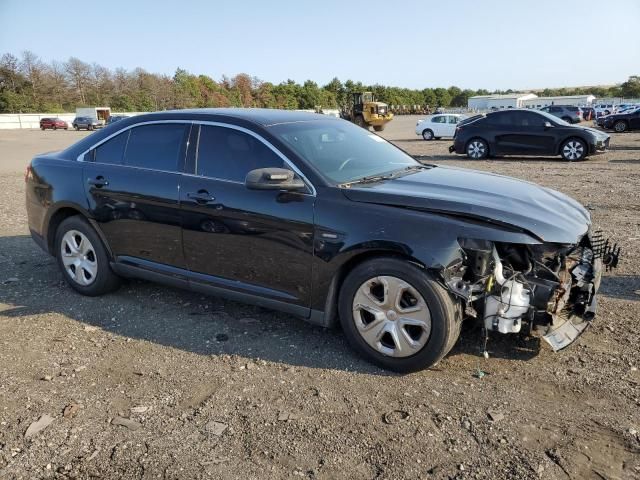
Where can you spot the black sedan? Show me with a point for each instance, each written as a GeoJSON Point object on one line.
{"type": "Point", "coordinates": [526, 132]}
{"type": "Point", "coordinates": [621, 122]}
{"type": "Point", "coordinates": [317, 217]}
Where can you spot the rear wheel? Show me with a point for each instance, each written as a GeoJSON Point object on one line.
{"type": "Point", "coordinates": [89, 127]}
{"type": "Point", "coordinates": [378, 128]}
{"type": "Point", "coordinates": [567, 119]}
{"type": "Point", "coordinates": [427, 135]}
{"type": "Point", "coordinates": [620, 126]}
{"type": "Point", "coordinates": [477, 149]}
{"type": "Point", "coordinates": [359, 121]}
{"type": "Point", "coordinates": [55, 127]}
{"type": "Point", "coordinates": [396, 316]}
{"type": "Point", "coordinates": [573, 150]}
{"type": "Point", "coordinates": [83, 259]}
{"type": "Point", "coordinates": [76, 127]}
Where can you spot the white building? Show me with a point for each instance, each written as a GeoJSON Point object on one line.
{"type": "Point", "coordinates": [575, 100]}
{"type": "Point", "coordinates": [492, 102]}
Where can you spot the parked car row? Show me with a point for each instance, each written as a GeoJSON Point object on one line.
{"type": "Point", "coordinates": [79, 123]}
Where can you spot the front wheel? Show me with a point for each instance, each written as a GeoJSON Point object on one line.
{"type": "Point", "coordinates": [378, 128]}
{"type": "Point", "coordinates": [396, 316]}
{"type": "Point", "coordinates": [83, 259]}
{"type": "Point", "coordinates": [620, 126]}
{"type": "Point", "coordinates": [573, 150]}
{"type": "Point", "coordinates": [477, 149]}
{"type": "Point", "coordinates": [427, 135]}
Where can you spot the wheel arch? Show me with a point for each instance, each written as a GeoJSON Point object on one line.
{"type": "Point", "coordinates": [479, 137]}
{"type": "Point", "coordinates": [571, 137]}
{"type": "Point", "coordinates": [61, 212]}
{"type": "Point", "coordinates": [329, 317]}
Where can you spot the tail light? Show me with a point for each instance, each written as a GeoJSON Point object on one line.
{"type": "Point", "coordinates": [28, 174]}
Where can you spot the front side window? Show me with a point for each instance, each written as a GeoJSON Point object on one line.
{"type": "Point", "coordinates": [340, 151]}
{"type": "Point", "coordinates": [156, 146]}
{"type": "Point", "coordinates": [229, 154]}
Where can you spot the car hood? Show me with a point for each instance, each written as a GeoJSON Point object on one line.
{"type": "Point", "coordinates": [542, 212]}
{"type": "Point", "coordinates": [599, 134]}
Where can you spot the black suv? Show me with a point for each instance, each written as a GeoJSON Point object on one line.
{"type": "Point", "coordinates": [314, 216]}
{"type": "Point", "coordinates": [525, 132]}
{"type": "Point", "coordinates": [621, 122]}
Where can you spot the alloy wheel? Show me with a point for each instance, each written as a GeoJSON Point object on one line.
{"type": "Point", "coordinates": [391, 316]}
{"type": "Point", "coordinates": [476, 149]}
{"type": "Point", "coordinates": [573, 150]}
{"type": "Point", "coordinates": [620, 127]}
{"type": "Point", "coordinates": [427, 135]}
{"type": "Point", "coordinates": [79, 258]}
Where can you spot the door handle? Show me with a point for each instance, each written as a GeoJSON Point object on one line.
{"type": "Point", "coordinates": [201, 196]}
{"type": "Point", "coordinates": [98, 182]}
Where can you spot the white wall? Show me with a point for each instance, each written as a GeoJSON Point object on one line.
{"type": "Point", "coordinates": [32, 120]}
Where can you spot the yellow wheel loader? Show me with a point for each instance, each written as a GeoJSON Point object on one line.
{"type": "Point", "coordinates": [365, 112]}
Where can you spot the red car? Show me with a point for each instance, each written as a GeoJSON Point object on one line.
{"type": "Point", "coordinates": [53, 123]}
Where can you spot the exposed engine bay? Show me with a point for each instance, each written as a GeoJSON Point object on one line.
{"type": "Point", "coordinates": [548, 288]}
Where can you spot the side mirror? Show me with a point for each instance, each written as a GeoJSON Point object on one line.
{"type": "Point", "coordinates": [273, 179]}
{"type": "Point", "coordinates": [548, 124]}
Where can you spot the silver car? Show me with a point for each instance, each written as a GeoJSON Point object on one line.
{"type": "Point", "coordinates": [568, 113]}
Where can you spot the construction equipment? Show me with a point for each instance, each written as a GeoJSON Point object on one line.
{"type": "Point", "coordinates": [365, 112]}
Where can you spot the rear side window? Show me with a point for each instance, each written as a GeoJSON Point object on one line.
{"type": "Point", "coordinates": [229, 154]}
{"type": "Point", "coordinates": [502, 118]}
{"type": "Point", "coordinates": [112, 150]}
{"type": "Point", "coordinates": [156, 146]}
{"type": "Point", "coordinates": [439, 119]}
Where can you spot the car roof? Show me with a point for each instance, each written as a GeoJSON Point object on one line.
{"type": "Point", "coordinates": [261, 116]}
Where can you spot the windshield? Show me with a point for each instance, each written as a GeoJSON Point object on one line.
{"type": "Point", "coordinates": [343, 152]}
{"type": "Point", "coordinates": [554, 119]}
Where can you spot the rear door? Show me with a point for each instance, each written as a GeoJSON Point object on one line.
{"type": "Point", "coordinates": [132, 183]}
{"type": "Point", "coordinates": [254, 242]}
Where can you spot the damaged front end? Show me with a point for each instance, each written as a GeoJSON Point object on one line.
{"type": "Point", "coordinates": [550, 288]}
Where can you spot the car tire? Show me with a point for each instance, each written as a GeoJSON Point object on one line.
{"type": "Point", "coordinates": [75, 127]}
{"type": "Point", "coordinates": [42, 128]}
{"type": "Point", "coordinates": [90, 127]}
{"type": "Point", "coordinates": [399, 343]}
{"type": "Point", "coordinates": [66, 128]}
{"type": "Point", "coordinates": [378, 128]}
{"type": "Point", "coordinates": [427, 135]}
{"type": "Point", "coordinates": [477, 149]}
{"type": "Point", "coordinates": [55, 128]}
{"type": "Point", "coordinates": [620, 126]}
{"type": "Point", "coordinates": [574, 150]}
{"type": "Point", "coordinates": [567, 119]}
{"type": "Point", "coordinates": [83, 259]}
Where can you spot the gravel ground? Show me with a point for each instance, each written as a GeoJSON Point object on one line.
{"type": "Point", "coordinates": [152, 382]}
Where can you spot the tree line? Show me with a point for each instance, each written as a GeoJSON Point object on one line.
{"type": "Point", "coordinates": [29, 84]}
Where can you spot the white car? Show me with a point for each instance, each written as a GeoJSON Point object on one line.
{"type": "Point", "coordinates": [603, 109]}
{"type": "Point", "coordinates": [439, 125]}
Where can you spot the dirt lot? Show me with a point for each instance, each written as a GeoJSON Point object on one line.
{"type": "Point", "coordinates": [152, 382]}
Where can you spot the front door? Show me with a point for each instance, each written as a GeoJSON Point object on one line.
{"type": "Point", "coordinates": [132, 184]}
{"type": "Point", "coordinates": [255, 242]}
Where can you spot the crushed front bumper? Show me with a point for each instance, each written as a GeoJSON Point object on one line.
{"type": "Point", "coordinates": [568, 326]}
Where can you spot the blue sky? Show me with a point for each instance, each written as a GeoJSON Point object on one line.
{"type": "Point", "coordinates": [471, 44]}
